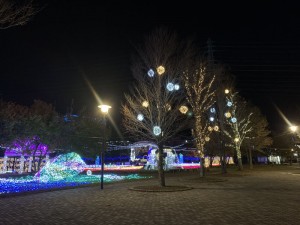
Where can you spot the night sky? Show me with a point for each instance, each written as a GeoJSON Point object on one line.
{"type": "Point", "coordinates": [47, 58]}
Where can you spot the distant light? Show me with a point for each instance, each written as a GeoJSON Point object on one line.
{"type": "Point", "coordinates": [293, 128]}
{"type": "Point", "coordinates": [229, 103]}
{"type": "Point", "coordinates": [140, 117]}
{"type": "Point", "coordinates": [170, 86]}
{"type": "Point", "coordinates": [151, 73]}
{"type": "Point", "coordinates": [104, 108]}
{"type": "Point", "coordinates": [212, 110]}
{"type": "Point", "coordinates": [160, 70]}
{"type": "Point", "coordinates": [145, 104]}
{"type": "Point", "coordinates": [176, 87]}
{"type": "Point", "coordinates": [226, 91]}
{"type": "Point", "coordinates": [233, 120]}
{"type": "Point", "coordinates": [211, 119]}
{"type": "Point", "coordinates": [156, 130]}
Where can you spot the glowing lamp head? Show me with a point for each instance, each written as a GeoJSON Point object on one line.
{"type": "Point", "coordinates": [226, 91]}
{"type": "Point", "coordinates": [104, 108]}
{"type": "Point", "coordinates": [293, 128]}
{"type": "Point", "coordinates": [160, 70]}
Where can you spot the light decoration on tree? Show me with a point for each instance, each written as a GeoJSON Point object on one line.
{"type": "Point", "coordinates": [236, 139]}
{"type": "Point", "coordinates": [156, 130]}
{"type": "Point", "coordinates": [160, 70]}
{"type": "Point", "coordinates": [207, 139]}
{"type": "Point", "coordinates": [140, 117]}
{"type": "Point", "coordinates": [216, 128]}
{"type": "Point", "coordinates": [151, 73]}
{"type": "Point", "coordinates": [233, 120]}
{"type": "Point", "coordinates": [226, 91]}
{"type": "Point", "coordinates": [212, 110]}
{"type": "Point", "coordinates": [145, 104]}
{"type": "Point", "coordinates": [183, 109]}
{"type": "Point", "coordinates": [168, 107]}
{"type": "Point", "coordinates": [211, 119]}
{"type": "Point", "coordinates": [170, 87]}
{"type": "Point", "coordinates": [229, 103]}
{"type": "Point", "coordinates": [227, 114]}
{"type": "Point", "coordinates": [210, 128]}
{"type": "Point", "coordinates": [176, 87]}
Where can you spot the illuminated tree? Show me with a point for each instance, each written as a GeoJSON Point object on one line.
{"type": "Point", "coordinates": [154, 110]}
{"type": "Point", "coordinates": [239, 123]}
{"type": "Point", "coordinates": [15, 13]}
{"type": "Point", "coordinates": [200, 96]}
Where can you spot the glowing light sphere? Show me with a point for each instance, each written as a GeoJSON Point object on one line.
{"type": "Point", "coordinates": [212, 110]}
{"type": "Point", "coordinates": [176, 87]}
{"type": "Point", "coordinates": [236, 139]}
{"type": "Point", "coordinates": [210, 128]}
{"type": "Point", "coordinates": [145, 104]}
{"type": "Point", "coordinates": [183, 109]}
{"type": "Point", "coordinates": [216, 128]}
{"type": "Point", "coordinates": [293, 128]}
{"type": "Point", "coordinates": [160, 70]}
{"type": "Point", "coordinates": [227, 114]}
{"type": "Point", "coordinates": [156, 130]}
{"type": "Point", "coordinates": [140, 117]}
{"type": "Point", "coordinates": [170, 86]}
{"type": "Point", "coordinates": [211, 119]}
{"type": "Point", "coordinates": [104, 108]}
{"type": "Point", "coordinates": [233, 120]}
{"type": "Point", "coordinates": [229, 103]}
{"type": "Point", "coordinates": [226, 91]}
{"type": "Point", "coordinates": [207, 139]}
{"type": "Point", "coordinates": [151, 73]}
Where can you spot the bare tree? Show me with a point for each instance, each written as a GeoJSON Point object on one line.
{"type": "Point", "coordinates": [200, 96]}
{"type": "Point", "coordinates": [15, 13]}
{"type": "Point", "coordinates": [152, 110]}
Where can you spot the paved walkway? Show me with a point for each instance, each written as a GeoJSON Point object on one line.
{"type": "Point", "coordinates": [263, 197]}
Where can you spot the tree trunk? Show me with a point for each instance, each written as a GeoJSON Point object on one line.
{"type": "Point", "coordinates": [202, 167]}
{"type": "Point", "coordinates": [250, 159]}
{"type": "Point", "coordinates": [239, 158]}
{"type": "Point", "coordinates": [161, 173]}
{"type": "Point", "coordinates": [223, 157]}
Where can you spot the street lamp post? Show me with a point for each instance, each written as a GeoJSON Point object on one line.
{"type": "Point", "coordinates": [104, 109]}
